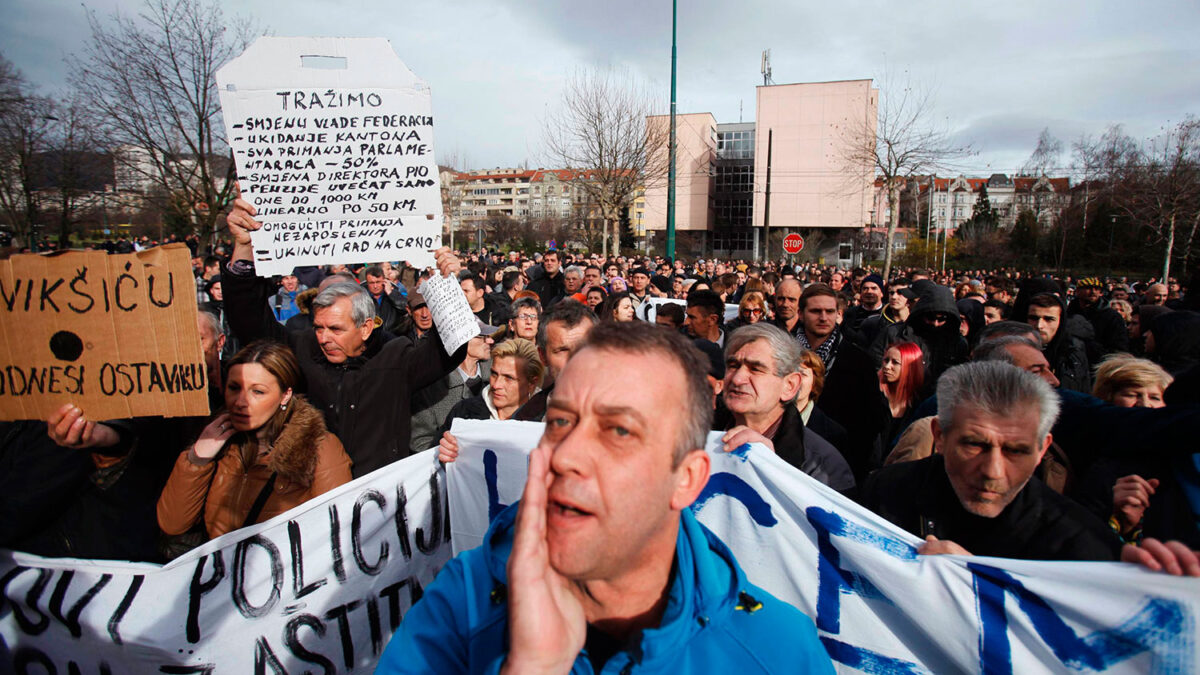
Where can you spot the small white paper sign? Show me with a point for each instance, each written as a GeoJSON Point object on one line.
{"type": "Point", "coordinates": [333, 141]}
{"type": "Point", "coordinates": [452, 315]}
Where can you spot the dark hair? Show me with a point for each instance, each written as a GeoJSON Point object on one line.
{"type": "Point", "coordinates": [570, 314]}
{"type": "Point", "coordinates": [475, 279]}
{"type": "Point", "coordinates": [709, 301]}
{"type": "Point", "coordinates": [373, 271]}
{"type": "Point", "coordinates": [639, 337]}
{"type": "Point", "coordinates": [1002, 306]}
{"type": "Point", "coordinates": [509, 280]}
{"type": "Point", "coordinates": [1046, 300]}
{"type": "Point", "coordinates": [672, 311]}
{"type": "Point", "coordinates": [814, 290]}
{"type": "Point", "coordinates": [610, 305]}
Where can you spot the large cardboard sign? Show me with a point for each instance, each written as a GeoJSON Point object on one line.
{"type": "Point", "coordinates": [318, 589]}
{"type": "Point", "coordinates": [113, 334]}
{"type": "Point", "coordinates": [333, 141]}
{"type": "Point", "coordinates": [878, 606]}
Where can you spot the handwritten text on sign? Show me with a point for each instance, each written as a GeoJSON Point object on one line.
{"type": "Point", "coordinates": [320, 588]}
{"type": "Point", "coordinates": [338, 172]}
{"type": "Point", "coordinates": [114, 334]}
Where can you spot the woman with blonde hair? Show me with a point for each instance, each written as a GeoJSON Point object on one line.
{"type": "Point", "coordinates": [265, 453]}
{"type": "Point", "coordinates": [1130, 382]}
{"type": "Point", "coordinates": [751, 310]}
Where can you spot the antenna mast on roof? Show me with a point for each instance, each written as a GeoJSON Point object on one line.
{"type": "Point", "coordinates": [766, 67]}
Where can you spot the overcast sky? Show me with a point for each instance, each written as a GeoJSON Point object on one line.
{"type": "Point", "coordinates": [999, 72]}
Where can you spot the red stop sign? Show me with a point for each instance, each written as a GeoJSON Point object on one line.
{"type": "Point", "coordinates": [793, 243]}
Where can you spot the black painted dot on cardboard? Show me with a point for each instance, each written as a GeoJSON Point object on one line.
{"type": "Point", "coordinates": [66, 346]}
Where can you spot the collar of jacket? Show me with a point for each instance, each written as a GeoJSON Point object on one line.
{"type": "Point", "coordinates": [294, 453]}
{"type": "Point", "coordinates": [705, 581]}
{"type": "Point", "coordinates": [789, 437]}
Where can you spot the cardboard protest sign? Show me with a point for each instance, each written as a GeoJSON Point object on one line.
{"type": "Point", "coordinates": [320, 588]}
{"type": "Point", "coordinates": [333, 141]}
{"type": "Point", "coordinates": [879, 607]}
{"type": "Point", "coordinates": [114, 334]}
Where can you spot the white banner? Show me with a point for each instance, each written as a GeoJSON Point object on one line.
{"type": "Point", "coordinates": [320, 588]}
{"type": "Point", "coordinates": [878, 606]}
{"type": "Point", "coordinates": [648, 310]}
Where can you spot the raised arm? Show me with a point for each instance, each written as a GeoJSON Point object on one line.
{"type": "Point", "coordinates": [247, 296]}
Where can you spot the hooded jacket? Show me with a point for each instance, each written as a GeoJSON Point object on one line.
{"type": "Point", "coordinates": [715, 620]}
{"type": "Point", "coordinates": [1067, 354]}
{"type": "Point", "coordinates": [1111, 334]}
{"type": "Point", "coordinates": [1176, 340]}
{"type": "Point", "coordinates": [302, 320]}
{"type": "Point", "coordinates": [308, 461]}
{"type": "Point", "coordinates": [943, 346]}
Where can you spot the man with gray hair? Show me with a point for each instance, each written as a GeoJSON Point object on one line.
{"type": "Point", "coordinates": [978, 494]}
{"type": "Point", "coordinates": [763, 375]}
{"type": "Point", "coordinates": [360, 377]}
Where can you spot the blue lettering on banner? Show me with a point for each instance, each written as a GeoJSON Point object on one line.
{"type": "Point", "coordinates": [732, 486]}
{"type": "Point", "coordinates": [489, 476]}
{"type": "Point", "coordinates": [868, 661]}
{"type": "Point", "coordinates": [1162, 624]}
{"type": "Point", "coordinates": [833, 580]}
{"type": "Point", "coordinates": [741, 452]}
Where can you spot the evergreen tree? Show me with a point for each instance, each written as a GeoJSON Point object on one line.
{"type": "Point", "coordinates": [982, 214]}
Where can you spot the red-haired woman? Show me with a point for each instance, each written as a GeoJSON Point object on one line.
{"type": "Point", "coordinates": [900, 379]}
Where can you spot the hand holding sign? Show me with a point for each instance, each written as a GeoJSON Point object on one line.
{"type": "Point", "coordinates": [241, 221]}
{"type": "Point", "coordinates": [547, 626]}
{"type": "Point", "coordinates": [447, 263]}
{"type": "Point", "coordinates": [444, 297]}
{"type": "Point", "coordinates": [70, 428]}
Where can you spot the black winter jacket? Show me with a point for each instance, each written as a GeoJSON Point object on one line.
{"type": "Point", "coordinates": [1039, 524]}
{"type": "Point", "coordinates": [1111, 334]}
{"type": "Point", "coordinates": [366, 400]}
{"type": "Point", "coordinates": [943, 346]}
{"type": "Point", "coordinates": [803, 449]}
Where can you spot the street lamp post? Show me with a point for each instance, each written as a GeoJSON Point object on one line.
{"type": "Point", "coordinates": [671, 143]}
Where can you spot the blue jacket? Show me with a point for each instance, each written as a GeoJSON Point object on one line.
{"type": "Point", "coordinates": [715, 621]}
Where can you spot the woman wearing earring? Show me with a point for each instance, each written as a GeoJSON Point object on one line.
{"type": "Point", "coordinates": [267, 452]}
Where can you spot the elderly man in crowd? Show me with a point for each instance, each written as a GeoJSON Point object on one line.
{"type": "Point", "coordinates": [360, 378]}
{"type": "Point", "coordinates": [762, 378]}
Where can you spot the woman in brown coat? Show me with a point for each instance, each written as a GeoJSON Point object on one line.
{"type": "Point", "coordinates": [268, 442]}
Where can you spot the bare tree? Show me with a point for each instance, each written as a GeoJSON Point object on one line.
{"type": "Point", "coordinates": [601, 135]}
{"type": "Point", "coordinates": [1163, 189]}
{"type": "Point", "coordinates": [150, 82]}
{"type": "Point", "coordinates": [26, 122]}
{"type": "Point", "coordinates": [1045, 156]}
{"type": "Point", "coordinates": [903, 144]}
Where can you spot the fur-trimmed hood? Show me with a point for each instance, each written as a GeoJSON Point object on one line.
{"type": "Point", "coordinates": [304, 300]}
{"type": "Point", "coordinates": [294, 454]}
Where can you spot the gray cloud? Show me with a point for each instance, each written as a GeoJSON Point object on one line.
{"type": "Point", "coordinates": [1000, 71]}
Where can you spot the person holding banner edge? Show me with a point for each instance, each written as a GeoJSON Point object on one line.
{"type": "Point", "coordinates": [601, 565]}
{"type": "Point", "coordinates": [361, 378]}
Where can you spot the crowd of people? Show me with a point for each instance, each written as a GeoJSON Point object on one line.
{"type": "Point", "coordinates": [989, 412]}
